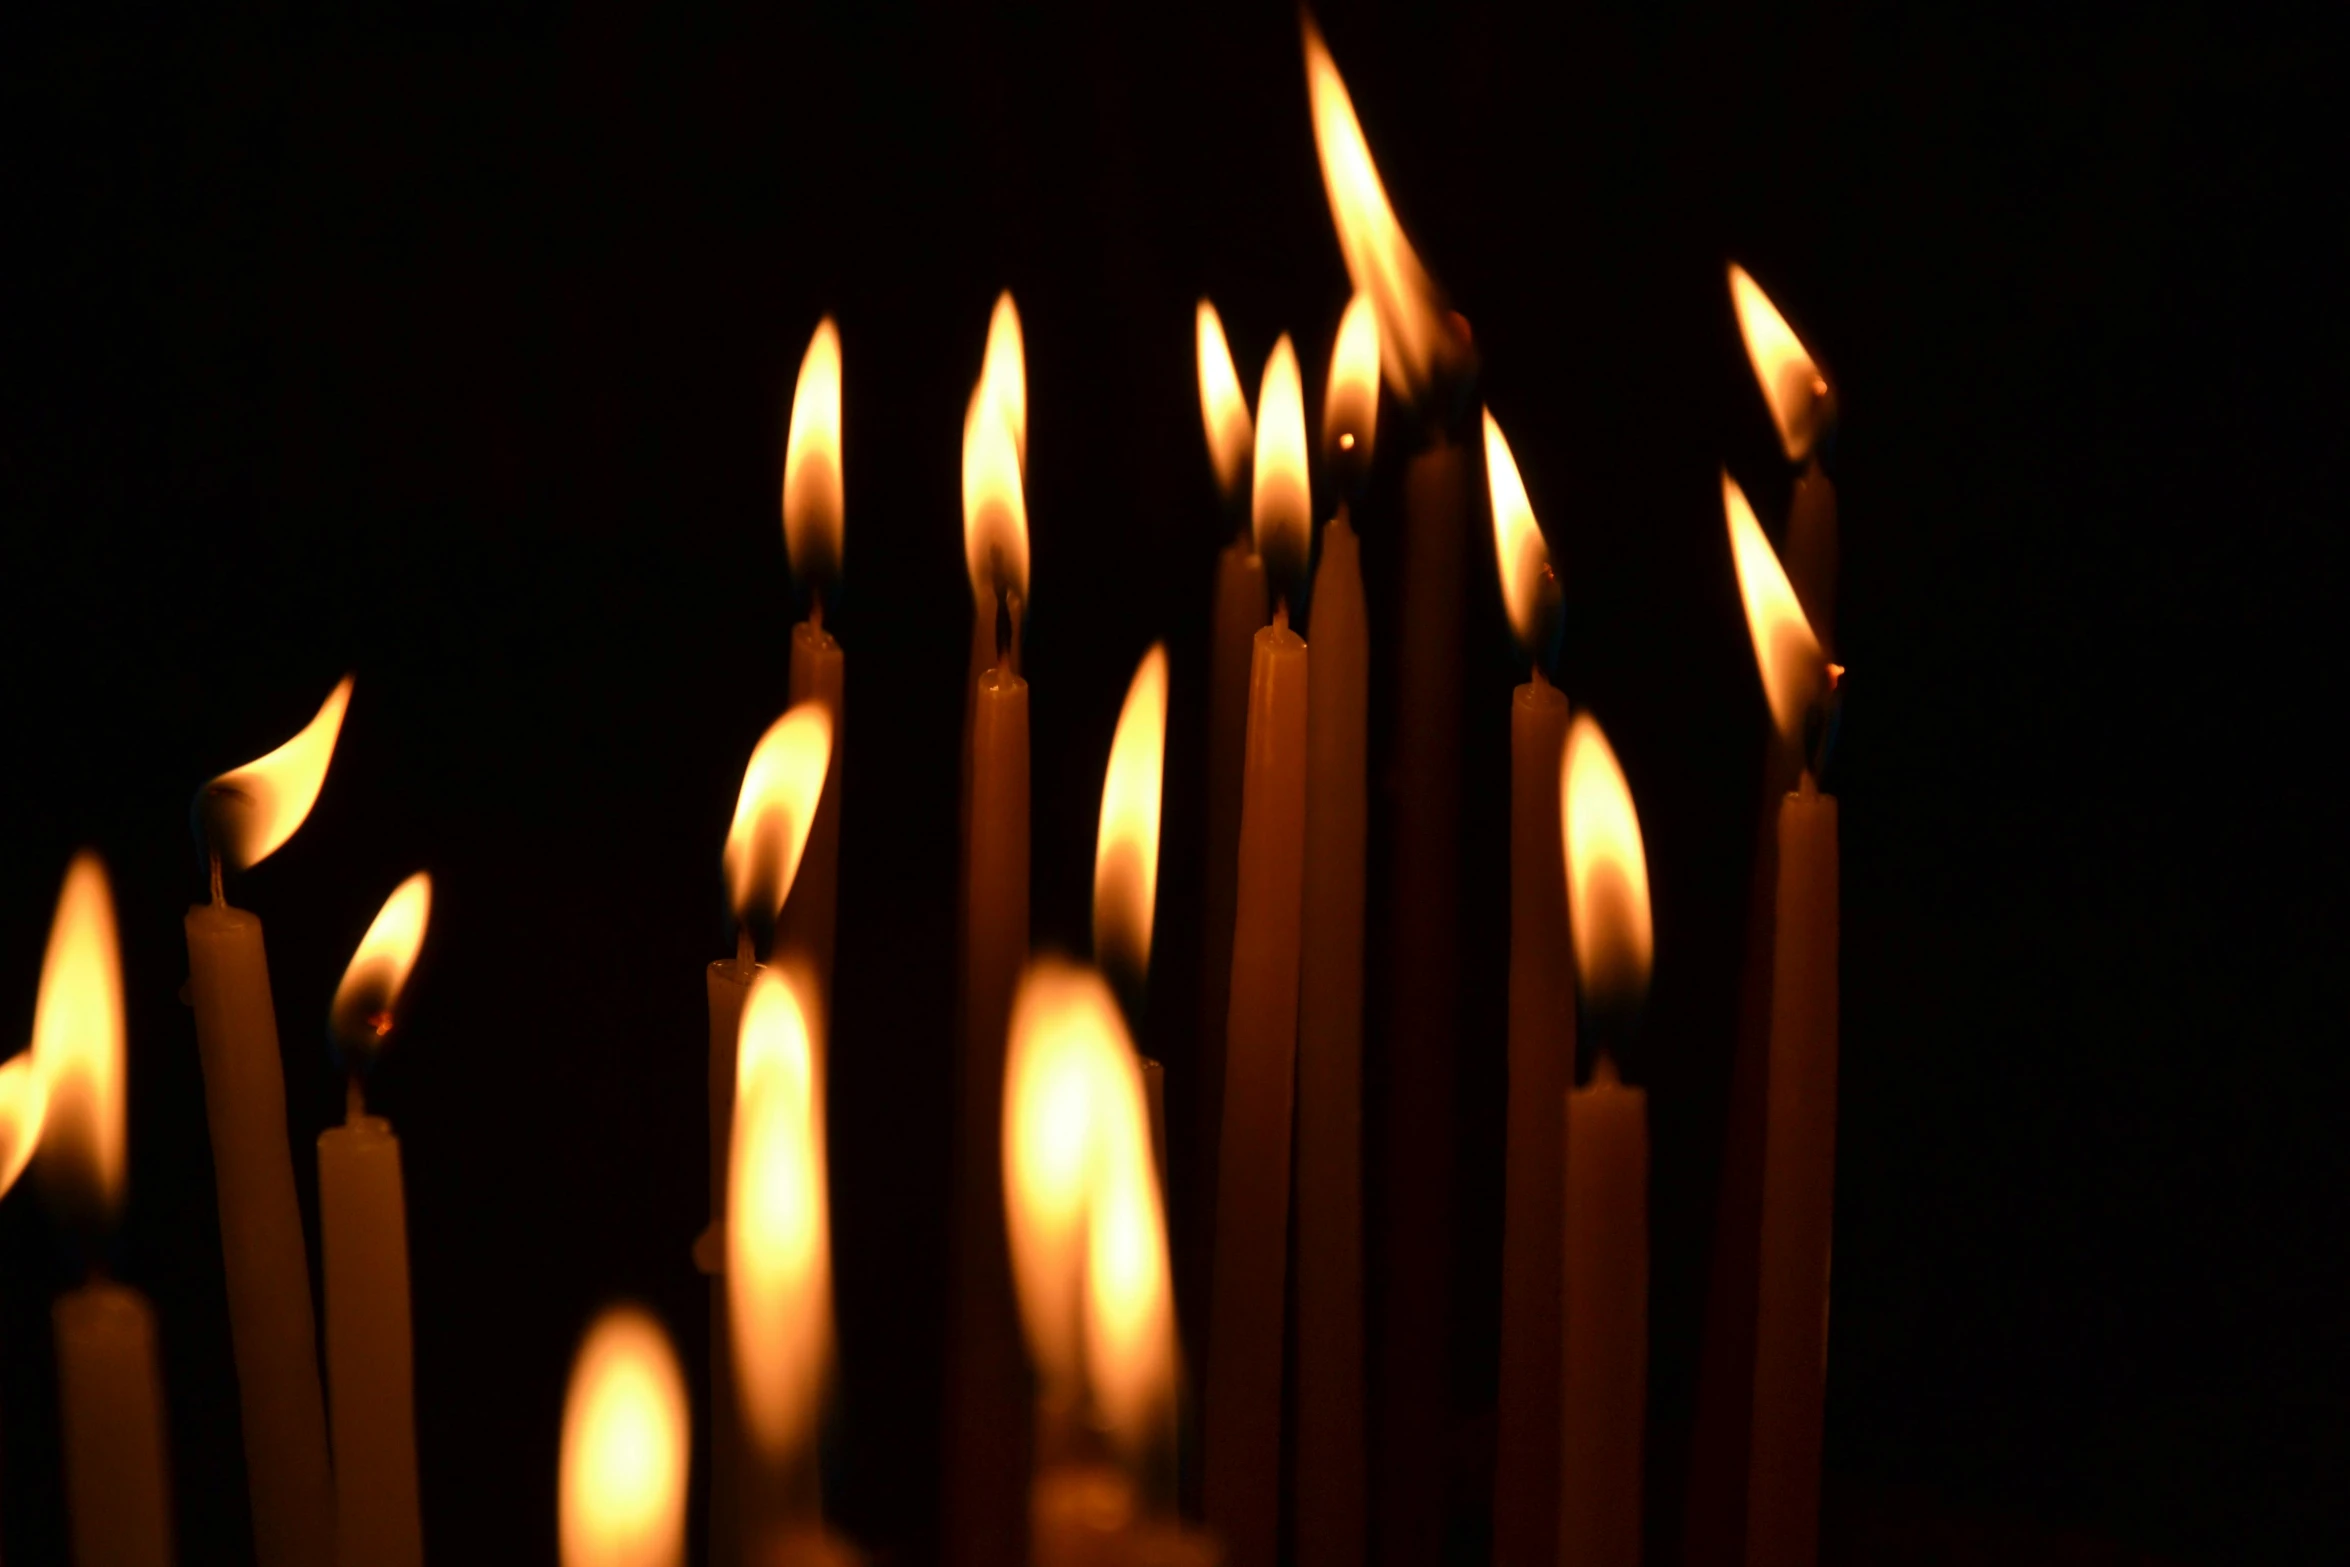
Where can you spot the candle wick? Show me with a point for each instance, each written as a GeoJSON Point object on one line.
{"type": "Point", "coordinates": [219, 896]}
{"type": "Point", "coordinates": [354, 1099]}
{"type": "Point", "coordinates": [1011, 659]}
{"type": "Point", "coordinates": [816, 610]}
{"type": "Point", "coordinates": [1541, 681]}
{"type": "Point", "coordinates": [745, 958]}
{"type": "Point", "coordinates": [1281, 613]}
{"type": "Point", "coordinates": [1809, 788]}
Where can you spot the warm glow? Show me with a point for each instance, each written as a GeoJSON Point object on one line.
{"type": "Point", "coordinates": [995, 455]}
{"type": "Point", "coordinates": [1126, 852]}
{"type": "Point", "coordinates": [370, 991]}
{"type": "Point", "coordinates": [1607, 869]}
{"type": "Point", "coordinates": [1350, 405]}
{"type": "Point", "coordinates": [1129, 1299]}
{"type": "Point", "coordinates": [1414, 335]}
{"type": "Point", "coordinates": [1791, 382]}
{"type": "Point", "coordinates": [778, 1229]}
{"type": "Point", "coordinates": [1222, 406]}
{"type": "Point", "coordinates": [78, 1047]}
{"type": "Point", "coordinates": [1004, 371]}
{"type": "Point", "coordinates": [1283, 507]}
{"type": "Point", "coordinates": [248, 813]}
{"type": "Point", "coordinates": [812, 502]}
{"type": "Point", "coordinates": [626, 1448]}
{"type": "Point", "coordinates": [1793, 667]}
{"type": "Point", "coordinates": [1517, 539]}
{"type": "Point", "coordinates": [24, 1097]}
{"type": "Point", "coordinates": [775, 808]}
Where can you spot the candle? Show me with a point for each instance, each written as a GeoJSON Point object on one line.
{"type": "Point", "coordinates": [1799, 1128]}
{"type": "Point", "coordinates": [1243, 1412]}
{"type": "Point", "coordinates": [620, 1487]}
{"type": "Point", "coordinates": [1541, 1040]}
{"type": "Point", "coordinates": [1803, 407]}
{"type": "Point", "coordinates": [1604, 1353]}
{"type": "Point", "coordinates": [1126, 861]}
{"type": "Point", "coordinates": [1331, 1408]}
{"type": "Point", "coordinates": [813, 518]}
{"type": "Point", "coordinates": [245, 816]}
{"type": "Point", "coordinates": [117, 1491]}
{"type": "Point", "coordinates": [363, 1230]}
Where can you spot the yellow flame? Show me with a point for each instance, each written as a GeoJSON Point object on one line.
{"type": "Point", "coordinates": [1382, 263]}
{"type": "Point", "coordinates": [1004, 372]}
{"type": "Point", "coordinates": [995, 455]}
{"type": "Point", "coordinates": [1126, 851]}
{"type": "Point", "coordinates": [812, 498]}
{"type": "Point", "coordinates": [252, 811]}
{"type": "Point", "coordinates": [626, 1447]}
{"type": "Point", "coordinates": [24, 1100]}
{"type": "Point", "coordinates": [1518, 546]}
{"type": "Point", "coordinates": [1791, 382]}
{"type": "Point", "coordinates": [1223, 408]}
{"type": "Point", "coordinates": [1789, 655]}
{"type": "Point", "coordinates": [78, 1044]}
{"type": "Point", "coordinates": [778, 1225]}
{"type": "Point", "coordinates": [1283, 508]}
{"type": "Point", "coordinates": [1607, 867]}
{"type": "Point", "coordinates": [379, 969]}
{"type": "Point", "coordinates": [777, 804]}
{"type": "Point", "coordinates": [1350, 405]}
{"type": "Point", "coordinates": [1129, 1313]}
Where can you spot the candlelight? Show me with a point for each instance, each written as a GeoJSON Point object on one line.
{"type": "Point", "coordinates": [1282, 508]}
{"type": "Point", "coordinates": [365, 1002]}
{"type": "Point", "coordinates": [1793, 667]}
{"type": "Point", "coordinates": [247, 814]}
{"type": "Point", "coordinates": [775, 808]}
{"type": "Point", "coordinates": [812, 501]}
{"type": "Point", "coordinates": [1222, 406]}
{"type": "Point", "coordinates": [1126, 852]}
{"type": "Point", "coordinates": [78, 1048]}
{"type": "Point", "coordinates": [24, 1098]}
{"type": "Point", "coordinates": [1129, 1311]}
{"type": "Point", "coordinates": [1004, 371]}
{"type": "Point", "coordinates": [778, 1234]}
{"type": "Point", "coordinates": [1526, 578]}
{"type": "Point", "coordinates": [1415, 338]}
{"type": "Point", "coordinates": [625, 1448]}
{"type": "Point", "coordinates": [1607, 870]}
{"type": "Point", "coordinates": [1350, 405]}
{"type": "Point", "coordinates": [995, 452]}
{"type": "Point", "coordinates": [1801, 404]}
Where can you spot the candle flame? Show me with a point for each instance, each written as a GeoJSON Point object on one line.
{"type": "Point", "coordinates": [1607, 870]}
{"type": "Point", "coordinates": [24, 1100]}
{"type": "Point", "coordinates": [1415, 337]}
{"type": "Point", "coordinates": [778, 1226]}
{"type": "Point", "coordinates": [1789, 655]}
{"type": "Point", "coordinates": [813, 508]}
{"type": "Point", "coordinates": [365, 1002]}
{"type": "Point", "coordinates": [78, 1048]}
{"type": "Point", "coordinates": [995, 456]}
{"type": "Point", "coordinates": [1283, 508]}
{"type": "Point", "coordinates": [1129, 1310]}
{"type": "Point", "coordinates": [626, 1447]}
{"type": "Point", "coordinates": [1126, 851]}
{"type": "Point", "coordinates": [249, 813]}
{"type": "Point", "coordinates": [1518, 545]}
{"type": "Point", "coordinates": [1223, 408]}
{"type": "Point", "coordinates": [775, 809]}
{"type": "Point", "coordinates": [1790, 379]}
{"type": "Point", "coordinates": [1350, 406]}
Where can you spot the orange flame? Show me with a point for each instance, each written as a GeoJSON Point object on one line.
{"type": "Point", "coordinates": [995, 456]}
{"type": "Point", "coordinates": [813, 508]}
{"type": "Point", "coordinates": [250, 812]}
{"type": "Point", "coordinates": [1789, 655]}
{"type": "Point", "coordinates": [361, 1017]}
{"type": "Point", "coordinates": [1283, 507]}
{"type": "Point", "coordinates": [1126, 851]}
{"type": "Point", "coordinates": [778, 1230]}
{"type": "Point", "coordinates": [775, 809]}
{"type": "Point", "coordinates": [1129, 1311]}
{"type": "Point", "coordinates": [1350, 405]}
{"type": "Point", "coordinates": [1222, 406]}
{"type": "Point", "coordinates": [1791, 381]}
{"type": "Point", "coordinates": [24, 1100]}
{"type": "Point", "coordinates": [1518, 545]}
{"type": "Point", "coordinates": [626, 1447]}
{"type": "Point", "coordinates": [1607, 868]}
{"type": "Point", "coordinates": [78, 1047]}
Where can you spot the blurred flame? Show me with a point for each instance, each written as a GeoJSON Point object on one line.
{"type": "Point", "coordinates": [250, 812]}
{"type": "Point", "coordinates": [775, 809]}
{"type": "Point", "coordinates": [1129, 1312]}
{"type": "Point", "coordinates": [78, 1046]}
{"type": "Point", "coordinates": [1791, 382]}
{"type": "Point", "coordinates": [812, 498]}
{"type": "Point", "coordinates": [995, 456]}
{"type": "Point", "coordinates": [626, 1448]}
{"type": "Point", "coordinates": [24, 1098]}
{"type": "Point", "coordinates": [1282, 509]}
{"type": "Point", "coordinates": [1412, 327]}
{"type": "Point", "coordinates": [1350, 405]}
{"type": "Point", "coordinates": [1126, 851]}
{"type": "Point", "coordinates": [364, 1001]}
{"type": "Point", "coordinates": [1223, 408]}
{"type": "Point", "coordinates": [1517, 539]}
{"type": "Point", "coordinates": [1607, 868]}
{"type": "Point", "coordinates": [778, 1233]}
{"type": "Point", "coordinates": [1792, 664]}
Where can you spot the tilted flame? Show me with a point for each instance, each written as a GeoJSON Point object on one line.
{"type": "Point", "coordinates": [627, 1448]}
{"type": "Point", "coordinates": [1282, 508]}
{"type": "Point", "coordinates": [1607, 870]}
{"type": "Point", "coordinates": [1223, 407]}
{"type": "Point", "coordinates": [24, 1101]}
{"type": "Point", "coordinates": [813, 506]}
{"type": "Point", "coordinates": [1788, 654]}
{"type": "Point", "coordinates": [367, 999]}
{"type": "Point", "coordinates": [775, 809]}
{"type": "Point", "coordinates": [78, 1049]}
{"type": "Point", "coordinates": [995, 456]}
{"type": "Point", "coordinates": [1518, 545]}
{"type": "Point", "coordinates": [250, 812]}
{"type": "Point", "coordinates": [1791, 382]}
{"type": "Point", "coordinates": [1350, 405]}
{"type": "Point", "coordinates": [1126, 850]}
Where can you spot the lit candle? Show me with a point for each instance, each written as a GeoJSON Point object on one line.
{"type": "Point", "coordinates": [1331, 1409]}
{"type": "Point", "coordinates": [813, 527]}
{"type": "Point", "coordinates": [1541, 1040]}
{"type": "Point", "coordinates": [1243, 1412]}
{"type": "Point", "coordinates": [363, 1230]}
{"type": "Point", "coordinates": [1799, 1126]}
{"type": "Point", "coordinates": [620, 1488]}
{"type": "Point", "coordinates": [245, 816]}
{"type": "Point", "coordinates": [1604, 1386]}
{"type": "Point", "coordinates": [1803, 407]}
{"type": "Point", "coordinates": [118, 1493]}
{"type": "Point", "coordinates": [1126, 861]}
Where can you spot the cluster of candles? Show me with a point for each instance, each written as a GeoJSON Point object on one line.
{"type": "Point", "coordinates": [1062, 1430]}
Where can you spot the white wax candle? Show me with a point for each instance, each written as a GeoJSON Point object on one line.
{"type": "Point", "coordinates": [1605, 1384]}
{"type": "Point", "coordinates": [112, 1402]}
{"type": "Point", "coordinates": [363, 1225]}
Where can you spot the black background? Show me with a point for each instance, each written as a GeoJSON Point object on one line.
{"type": "Point", "coordinates": [458, 352]}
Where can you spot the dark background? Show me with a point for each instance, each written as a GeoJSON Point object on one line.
{"type": "Point", "coordinates": [458, 351]}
